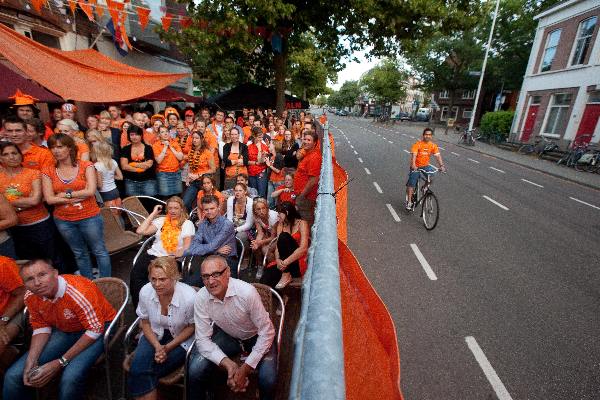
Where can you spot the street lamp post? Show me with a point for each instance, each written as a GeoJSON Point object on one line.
{"type": "Point", "coordinates": [487, 50]}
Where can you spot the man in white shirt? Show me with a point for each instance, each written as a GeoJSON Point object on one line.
{"type": "Point", "coordinates": [230, 319]}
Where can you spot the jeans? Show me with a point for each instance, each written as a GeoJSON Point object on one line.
{"type": "Point", "coordinates": [190, 194]}
{"type": "Point", "coordinates": [413, 177]}
{"type": "Point", "coordinates": [84, 234]}
{"type": "Point", "coordinates": [259, 182]}
{"type": "Point", "coordinates": [270, 189]}
{"type": "Point", "coordinates": [169, 183]}
{"type": "Point", "coordinates": [7, 249]}
{"type": "Point", "coordinates": [74, 376]}
{"type": "Point", "coordinates": [203, 373]}
{"type": "Point", "coordinates": [144, 372]}
{"type": "Point", "coordinates": [140, 188]}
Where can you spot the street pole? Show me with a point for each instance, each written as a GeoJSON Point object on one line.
{"type": "Point", "coordinates": [487, 50]}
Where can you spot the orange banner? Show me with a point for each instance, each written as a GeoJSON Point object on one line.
{"type": "Point", "coordinates": [143, 16]}
{"type": "Point", "coordinates": [166, 21]}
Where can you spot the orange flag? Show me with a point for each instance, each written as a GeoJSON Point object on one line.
{"type": "Point", "coordinates": [185, 22]}
{"type": "Point", "coordinates": [166, 21]}
{"type": "Point", "coordinates": [143, 16]}
{"type": "Point", "coordinates": [87, 9]}
{"type": "Point", "coordinates": [73, 6]}
{"type": "Point", "coordinates": [38, 4]}
{"type": "Point", "coordinates": [124, 32]}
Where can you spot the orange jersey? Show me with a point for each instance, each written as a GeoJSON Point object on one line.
{"type": "Point", "coordinates": [424, 151]}
{"type": "Point", "coordinates": [9, 281]}
{"type": "Point", "coordinates": [73, 211]}
{"type": "Point", "coordinates": [170, 163]}
{"type": "Point", "coordinates": [37, 157]}
{"type": "Point", "coordinates": [79, 305]}
{"type": "Point", "coordinates": [20, 186]}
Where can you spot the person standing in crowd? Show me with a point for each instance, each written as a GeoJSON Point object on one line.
{"type": "Point", "coordinates": [24, 106]}
{"type": "Point", "coordinates": [68, 314]}
{"type": "Point", "coordinates": [108, 171]}
{"type": "Point", "coordinates": [70, 128]}
{"type": "Point", "coordinates": [55, 116]}
{"type": "Point", "coordinates": [297, 131]}
{"type": "Point", "coordinates": [209, 188]}
{"type": "Point", "coordinates": [172, 237]}
{"type": "Point", "coordinates": [70, 187]}
{"type": "Point", "coordinates": [289, 149]}
{"type": "Point", "coordinates": [216, 126]}
{"type": "Point", "coordinates": [115, 116]}
{"type": "Point", "coordinates": [35, 132]}
{"type": "Point", "coordinates": [188, 121]}
{"type": "Point", "coordinates": [166, 312]}
{"type": "Point", "coordinates": [171, 120]}
{"type": "Point", "coordinates": [168, 155]}
{"type": "Point", "coordinates": [235, 158]}
{"type": "Point", "coordinates": [306, 180]}
{"type": "Point", "coordinates": [292, 245]}
{"type": "Point", "coordinates": [69, 111]}
{"type": "Point", "coordinates": [8, 218]}
{"type": "Point", "coordinates": [200, 162]}
{"type": "Point", "coordinates": [239, 211]}
{"type": "Point", "coordinates": [137, 164]}
{"type": "Point", "coordinates": [258, 152]}
{"type": "Point", "coordinates": [230, 318]}
{"type": "Point", "coordinates": [151, 134]}
{"type": "Point", "coordinates": [111, 135]}
{"type": "Point", "coordinates": [276, 176]}
{"type": "Point", "coordinates": [12, 321]}
{"type": "Point", "coordinates": [34, 157]}
{"type": "Point", "coordinates": [92, 122]}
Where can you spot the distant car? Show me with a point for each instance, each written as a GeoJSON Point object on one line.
{"type": "Point", "coordinates": [342, 113]}
{"type": "Point", "coordinates": [422, 115]}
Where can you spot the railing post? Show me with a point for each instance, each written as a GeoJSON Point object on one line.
{"type": "Point", "coordinates": [318, 370]}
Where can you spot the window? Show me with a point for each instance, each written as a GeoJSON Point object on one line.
{"type": "Point", "coordinates": [46, 40]}
{"type": "Point", "coordinates": [583, 40]}
{"type": "Point", "coordinates": [444, 94]}
{"type": "Point", "coordinates": [467, 113]}
{"type": "Point", "coordinates": [550, 50]}
{"type": "Point", "coordinates": [444, 114]}
{"type": "Point", "coordinates": [558, 115]}
{"type": "Point", "coordinates": [468, 94]}
{"type": "Point", "coordinates": [536, 100]}
{"type": "Point", "coordinates": [594, 97]}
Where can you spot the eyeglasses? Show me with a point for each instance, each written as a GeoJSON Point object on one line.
{"type": "Point", "coordinates": [215, 275]}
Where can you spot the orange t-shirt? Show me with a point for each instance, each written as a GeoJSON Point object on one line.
{"type": "Point", "coordinates": [37, 157]}
{"type": "Point", "coordinates": [73, 211]}
{"type": "Point", "coordinates": [277, 177]}
{"type": "Point", "coordinates": [309, 166]}
{"type": "Point", "coordinates": [423, 151]}
{"type": "Point", "coordinates": [233, 170]}
{"type": "Point", "coordinates": [9, 281]}
{"type": "Point", "coordinates": [198, 160]}
{"type": "Point", "coordinates": [212, 144]}
{"type": "Point", "coordinates": [254, 170]}
{"type": "Point", "coordinates": [247, 133]}
{"type": "Point", "coordinates": [82, 148]}
{"type": "Point", "coordinates": [170, 163]}
{"type": "Point", "coordinates": [79, 305]}
{"type": "Point", "coordinates": [286, 196]}
{"type": "Point", "coordinates": [19, 186]}
{"type": "Point", "coordinates": [216, 193]}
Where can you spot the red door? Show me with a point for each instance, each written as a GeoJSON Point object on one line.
{"type": "Point", "coordinates": [529, 123]}
{"type": "Point", "coordinates": [588, 123]}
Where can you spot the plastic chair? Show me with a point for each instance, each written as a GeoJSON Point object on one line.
{"type": "Point", "coordinates": [267, 296]}
{"type": "Point", "coordinates": [241, 249]}
{"type": "Point", "coordinates": [136, 212]}
{"type": "Point", "coordinates": [116, 238]}
{"type": "Point", "coordinates": [117, 293]}
{"type": "Point", "coordinates": [148, 242]}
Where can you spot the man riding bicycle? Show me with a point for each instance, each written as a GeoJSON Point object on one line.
{"type": "Point", "coordinates": [421, 151]}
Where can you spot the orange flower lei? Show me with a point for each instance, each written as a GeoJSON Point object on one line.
{"type": "Point", "coordinates": [169, 235]}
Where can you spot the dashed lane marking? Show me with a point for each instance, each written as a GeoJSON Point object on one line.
{"type": "Point", "coordinates": [367, 171]}
{"type": "Point", "coordinates": [430, 274]}
{"type": "Point", "coordinates": [488, 370]}
{"type": "Point", "coordinates": [502, 206]}
{"type": "Point", "coordinates": [583, 202]}
{"type": "Point", "coordinates": [377, 187]}
{"type": "Point", "coordinates": [360, 160]}
{"type": "Point", "coordinates": [473, 161]}
{"type": "Point", "coordinates": [497, 170]}
{"type": "Point", "coordinates": [532, 183]}
{"type": "Point", "coordinates": [393, 212]}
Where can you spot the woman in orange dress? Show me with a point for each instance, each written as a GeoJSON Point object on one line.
{"type": "Point", "coordinates": [200, 162]}
{"type": "Point", "coordinates": [235, 158]}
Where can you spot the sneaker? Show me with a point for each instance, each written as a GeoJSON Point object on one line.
{"type": "Point", "coordinates": [284, 281]}
{"type": "Point", "coordinates": [409, 205]}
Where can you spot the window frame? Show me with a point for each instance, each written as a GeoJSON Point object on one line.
{"type": "Point", "coordinates": [546, 48]}
{"type": "Point", "coordinates": [470, 94]}
{"type": "Point", "coordinates": [444, 94]}
{"type": "Point", "coordinates": [577, 39]}
{"type": "Point", "coordinates": [561, 108]}
{"type": "Point", "coordinates": [469, 111]}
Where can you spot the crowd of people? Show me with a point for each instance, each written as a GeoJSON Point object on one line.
{"type": "Point", "coordinates": [249, 176]}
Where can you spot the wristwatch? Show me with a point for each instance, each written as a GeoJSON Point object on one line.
{"type": "Point", "coordinates": [69, 194]}
{"type": "Point", "coordinates": [4, 318]}
{"type": "Point", "coordinates": [63, 362]}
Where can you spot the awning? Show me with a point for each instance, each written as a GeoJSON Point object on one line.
{"type": "Point", "coordinates": [252, 96]}
{"type": "Point", "coordinates": [171, 95]}
{"type": "Point", "coordinates": [79, 75]}
{"type": "Point", "coordinates": [10, 81]}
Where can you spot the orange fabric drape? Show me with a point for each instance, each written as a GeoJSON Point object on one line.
{"type": "Point", "coordinates": [80, 79]}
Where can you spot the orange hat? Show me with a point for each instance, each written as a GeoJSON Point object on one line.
{"type": "Point", "coordinates": [170, 110]}
{"type": "Point", "coordinates": [69, 107]}
{"type": "Point", "coordinates": [189, 112]}
{"type": "Point", "coordinates": [157, 117]}
{"type": "Point", "coordinates": [22, 99]}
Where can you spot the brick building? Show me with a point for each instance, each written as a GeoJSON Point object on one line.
{"type": "Point", "coordinates": [560, 96]}
{"type": "Point", "coordinates": [457, 105]}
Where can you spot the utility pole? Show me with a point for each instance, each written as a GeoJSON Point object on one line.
{"type": "Point", "coordinates": [487, 50]}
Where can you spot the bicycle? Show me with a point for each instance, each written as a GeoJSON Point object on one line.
{"type": "Point", "coordinates": [430, 211]}
{"type": "Point", "coordinates": [588, 162]}
{"type": "Point", "coordinates": [578, 147]}
{"type": "Point", "coordinates": [467, 137]}
{"type": "Point", "coordinates": [540, 147]}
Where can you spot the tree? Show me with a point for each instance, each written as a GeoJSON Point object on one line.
{"type": "Point", "coordinates": [243, 40]}
{"type": "Point", "coordinates": [385, 82]}
{"type": "Point", "coordinates": [346, 96]}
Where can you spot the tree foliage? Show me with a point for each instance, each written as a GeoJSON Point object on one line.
{"type": "Point", "coordinates": [346, 96]}
{"type": "Point", "coordinates": [385, 82]}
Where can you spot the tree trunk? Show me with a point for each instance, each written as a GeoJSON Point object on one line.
{"type": "Point", "coordinates": [280, 63]}
{"type": "Point", "coordinates": [304, 93]}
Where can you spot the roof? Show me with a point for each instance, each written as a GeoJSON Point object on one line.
{"type": "Point", "coordinates": [83, 75]}
{"type": "Point", "coordinates": [252, 95]}
{"type": "Point", "coordinates": [555, 8]}
{"type": "Point", "coordinates": [10, 81]}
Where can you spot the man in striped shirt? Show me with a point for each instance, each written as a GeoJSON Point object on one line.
{"type": "Point", "coordinates": [68, 315]}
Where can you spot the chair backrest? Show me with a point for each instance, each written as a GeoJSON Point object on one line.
{"type": "Point", "coordinates": [134, 204]}
{"type": "Point", "coordinates": [272, 302]}
{"type": "Point", "coordinates": [116, 292]}
{"type": "Point", "coordinates": [144, 247]}
{"type": "Point", "coordinates": [112, 227]}
{"type": "Point", "coordinates": [240, 252]}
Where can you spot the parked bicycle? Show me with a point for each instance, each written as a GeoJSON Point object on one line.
{"type": "Point", "coordinates": [541, 147]}
{"type": "Point", "coordinates": [467, 137]}
{"type": "Point", "coordinates": [577, 148]}
{"type": "Point", "coordinates": [589, 161]}
{"type": "Point", "coordinates": [423, 195]}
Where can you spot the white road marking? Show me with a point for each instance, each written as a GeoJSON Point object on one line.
{"type": "Point", "coordinates": [360, 160]}
{"type": "Point", "coordinates": [351, 146]}
{"type": "Point", "coordinates": [475, 161]}
{"type": "Point", "coordinates": [412, 137]}
{"type": "Point", "coordinates": [377, 188]}
{"type": "Point", "coordinates": [393, 212]}
{"type": "Point", "coordinates": [441, 148]}
{"type": "Point", "coordinates": [367, 171]}
{"type": "Point", "coordinates": [456, 154]}
{"type": "Point", "coordinates": [355, 152]}
{"type": "Point", "coordinates": [404, 134]}
{"type": "Point", "coordinates": [423, 261]}
{"type": "Point", "coordinates": [406, 151]}
{"type": "Point", "coordinates": [488, 370]}
{"type": "Point", "coordinates": [390, 142]}
{"type": "Point", "coordinates": [496, 203]}
{"type": "Point", "coordinates": [532, 183]}
{"type": "Point", "coordinates": [583, 202]}
{"type": "Point", "coordinates": [498, 170]}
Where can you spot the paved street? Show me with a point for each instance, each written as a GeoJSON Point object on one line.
{"type": "Point", "coordinates": [501, 300]}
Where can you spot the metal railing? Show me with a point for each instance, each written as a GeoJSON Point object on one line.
{"type": "Point", "coordinates": [318, 369]}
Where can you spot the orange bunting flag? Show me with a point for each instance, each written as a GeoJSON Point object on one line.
{"type": "Point", "coordinates": [38, 5]}
{"type": "Point", "coordinates": [87, 9]}
{"type": "Point", "coordinates": [185, 22]}
{"type": "Point", "coordinates": [113, 9]}
{"type": "Point", "coordinates": [166, 21]}
{"type": "Point", "coordinates": [73, 6]}
{"type": "Point", "coordinates": [124, 31]}
{"type": "Point", "coordinates": [143, 16]}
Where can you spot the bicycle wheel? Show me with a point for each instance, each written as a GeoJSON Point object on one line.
{"type": "Point", "coordinates": [430, 211]}
{"type": "Point", "coordinates": [526, 149]}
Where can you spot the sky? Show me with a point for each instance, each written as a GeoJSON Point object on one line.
{"type": "Point", "coordinates": [354, 70]}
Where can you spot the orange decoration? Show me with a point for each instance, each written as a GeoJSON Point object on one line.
{"type": "Point", "coordinates": [169, 235]}
{"type": "Point", "coordinates": [87, 9]}
{"type": "Point", "coordinates": [38, 4]}
{"type": "Point", "coordinates": [185, 22]}
{"type": "Point", "coordinates": [166, 21]}
{"type": "Point", "coordinates": [143, 16]}
{"type": "Point", "coordinates": [99, 10]}
{"type": "Point", "coordinates": [73, 6]}
{"type": "Point", "coordinates": [124, 31]}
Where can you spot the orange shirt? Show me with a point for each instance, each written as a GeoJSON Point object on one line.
{"type": "Point", "coordinates": [149, 137]}
{"type": "Point", "coordinates": [212, 144]}
{"type": "Point", "coordinates": [254, 170]}
{"type": "Point", "coordinates": [74, 211]}
{"type": "Point", "coordinates": [309, 166]}
{"type": "Point", "coordinates": [322, 119]}
{"type": "Point", "coordinates": [277, 177]}
{"type": "Point", "coordinates": [37, 157]}
{"type": "Point", "coordinates": [198, 160]}
{"type": "Point", "coordinates": [79, 305]}
{"type": "Point", "coordinates": [286, 196]}
{"type": "Point", "coordinates": [82, 148]}
{"type": "Point", "coordinates": [170, 163]}
{"type": "Point", "coordinates": [233, 170]}
{"type": "Point", "coordinates": [19, 186]}
{"type": "Point", "coordinates": [215, 193]}
{"type": "Point", "coordinates": [247, 133]}
{"type": "Point", "coordinates": [423, 150]}
{"type": "Point", "coordinates": [9, 281]}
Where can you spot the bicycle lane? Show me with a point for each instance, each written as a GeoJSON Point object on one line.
{"type": "Point", "coordinates": [496, 230]}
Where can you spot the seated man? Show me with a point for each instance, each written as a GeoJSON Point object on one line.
{"type": "Point", "coordinates": [230, 319]}
{"type": "Point", "coordinates": [68, 315]}
{"type": "Point", "coordinates": [215, 235]}
{"type": "Point", "coordinates": [11, 305]}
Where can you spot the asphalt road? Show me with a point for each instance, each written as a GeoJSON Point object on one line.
{"type": "Point", "coordinates": [513, 312]}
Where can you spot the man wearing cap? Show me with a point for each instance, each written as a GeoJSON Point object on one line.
{"type": "Point", "coordinates": [24, 105]}
{"type": "Point", "coordinates": [34, 156]}
{"type": "Point", "coordinates": [69, 111]}
{"type": "Point", "coordinates": [189, 120]}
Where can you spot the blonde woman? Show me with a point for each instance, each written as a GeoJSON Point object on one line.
{"type": "Point", "coordinates": [172, 236]}
{"type": "Point", "coordinates": [166, 311]}
{"type": "Point", "coordinates": [107, 171]}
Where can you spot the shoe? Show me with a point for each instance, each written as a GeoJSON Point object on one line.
{"type": "Point", "coordinates": [409, 206]}
{"type": "Point", "coordinates": [284, 281]}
